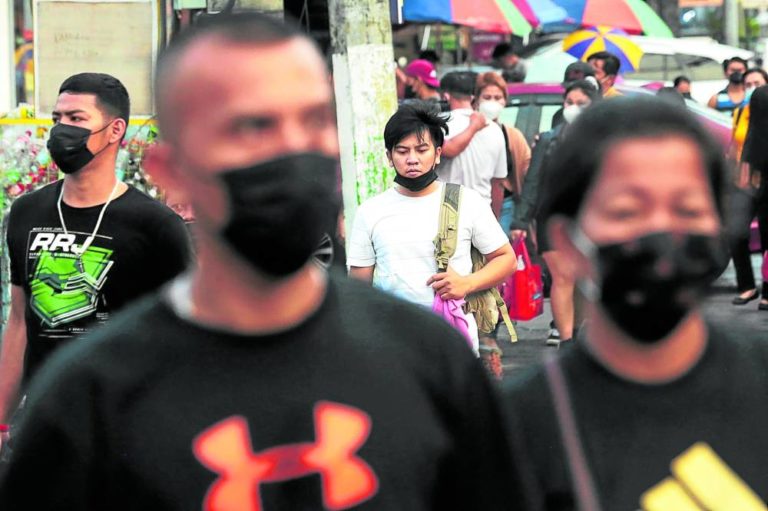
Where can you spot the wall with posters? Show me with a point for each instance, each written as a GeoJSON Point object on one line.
{"type": "Point", "coordinates": [118, 37]}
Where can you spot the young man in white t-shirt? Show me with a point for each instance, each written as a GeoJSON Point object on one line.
{"type": "Point", "coordinates": [392, 240]}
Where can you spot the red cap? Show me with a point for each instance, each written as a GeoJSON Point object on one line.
{"type": "Point", "coordinates": [425, 70]}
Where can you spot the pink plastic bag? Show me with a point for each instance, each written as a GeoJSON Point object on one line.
{"type": "Point", "coordinates": [451, 311]}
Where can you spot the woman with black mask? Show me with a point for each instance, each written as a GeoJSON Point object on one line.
{"type": "Point", "coordinates": [654, 407]}
{"type": "Point", "coordinates": [754, 178]}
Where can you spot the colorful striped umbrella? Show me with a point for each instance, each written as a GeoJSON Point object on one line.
{"type": "Point", "coordinates": [583, 43]}
{"type": "Point", "coordinates": [488, 15]}
{"type": "Point", "coordinates": [632, 16]}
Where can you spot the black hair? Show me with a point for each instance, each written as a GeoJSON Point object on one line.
{"type": "Point", "coordinates": [671, 94]}
{"type": "Point", "coordinates": [415, 118]}
{"type": "Point", "coordinates": [757, 70]}
{"type": "Point", "coordinates": [727, 62]}
{"type": "Point", "coordinates": [681, 79]}
{"type": "Point", "coordinates": [459, 83]}
{"type": "Point", "coordinates": [587, 87]}
{"type": "Point", "coordinates": [611, 63]}
{"type": "Point", "coordinates": [111, 95]}
{"type": "Point", "coordinates": [430, 55]}
{"type": "Point", "coordinates": [502, 50]}
{"type": "Point", "coordinates": [575, 166]}
{"type": "Point", "coordinates": [240, 28]}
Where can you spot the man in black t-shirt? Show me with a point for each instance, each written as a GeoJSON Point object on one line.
{"type": "Point", "coordinates": [653, 407]}
{"type": "Point", "coordinates": [87, 245]}
{"type": "Point", "coordinates": [256, 381]}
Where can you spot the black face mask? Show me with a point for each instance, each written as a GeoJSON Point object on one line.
{"type": "Point", "coordinates": [68, 147]}
{"type": "Point", "coordinates": [417, 184]}
{"type": "Point", "coordinates": [736, 77]}
{"type": "Point", "coordinates": [650, 284]}
{"type": "Point", "coordinates": [280, 210]}
{"type": "Point", "coordinates": [687, 95]}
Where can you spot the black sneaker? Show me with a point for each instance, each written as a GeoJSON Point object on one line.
{"type": "Point", "coordinates": [554, 335]}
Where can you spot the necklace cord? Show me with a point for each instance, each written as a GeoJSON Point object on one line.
{"type": "Point", "coordinates": [98, 222]}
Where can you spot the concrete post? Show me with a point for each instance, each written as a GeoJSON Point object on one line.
{"type": "Point", "coordinates": [7, 72]}
{"type": "Point", "coordinates": [364, 83]}
{"type": "Point", "coordinates": [731, 20]}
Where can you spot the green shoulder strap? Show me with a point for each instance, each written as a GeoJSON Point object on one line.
{"type": "Point", "coordinates": [445, 246]}
{"type": "Point", "coordinates": [448, 226]}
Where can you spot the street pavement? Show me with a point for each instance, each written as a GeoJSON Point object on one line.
{"type": "Point", "coordinates": [532, 335]}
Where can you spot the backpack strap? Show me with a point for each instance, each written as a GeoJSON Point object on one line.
{"type": "Point", "coordinates": [504, 314]}
{"type": "Point", "coordinates": [584, 487]}
{"type": "Point", "coordinates": [448, 226]}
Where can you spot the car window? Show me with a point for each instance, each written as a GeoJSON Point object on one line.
{"type": "Point", "coordinates": [547, 113]}
{"type": "Point", "coordinates": [701, 68]}
{"type": "Point", "coordinates": [509, 115]}
{"type": "Point", "coordinates": [531, 113]}
{"type": "Point", "coordinates": [656, 67]}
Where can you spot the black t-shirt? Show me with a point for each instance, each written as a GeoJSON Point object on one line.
{"type": "Point", "coordinates": [140, 245]}
{"type": "Point", "coordinates": [637, 436]}
{"type": "Point", "coordinates": [155, 412]}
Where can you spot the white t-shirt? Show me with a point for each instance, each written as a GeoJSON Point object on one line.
{"type": "Point", "coordinates": [396, 233]}
{"type": "Point", "coordinates": [483, 159]}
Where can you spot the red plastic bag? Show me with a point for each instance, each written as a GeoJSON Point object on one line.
{"type": "Point", "coordinates": [523, 292]}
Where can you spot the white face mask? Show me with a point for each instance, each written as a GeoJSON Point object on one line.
{"type": "Point", "coordinates": [490, 109]}
{"type": "Point", "coordinates": [571, 112]}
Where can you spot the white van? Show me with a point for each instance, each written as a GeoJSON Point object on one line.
{"type": "Point", "coordinates": [664, 59]}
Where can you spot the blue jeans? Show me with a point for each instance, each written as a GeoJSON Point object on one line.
{"type": "Point", "coordinates": [507, 214]}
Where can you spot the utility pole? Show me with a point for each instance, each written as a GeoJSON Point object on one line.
{"type": "Point", "coordinates": [7, 74]}
{"type": "Point", "coordinates": [364, 81]}
{"type": "Point", "coordinates": [731, 19]}
{"type": "Point", "coordinates": [669, 11]}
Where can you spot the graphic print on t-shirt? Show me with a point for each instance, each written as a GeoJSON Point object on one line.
{"type": "Point", "coordinates": [65, 285]}
{"type": "Point", "coordinates": [340, 431]}
{"type": "Point", "coordinates": [701, 480]}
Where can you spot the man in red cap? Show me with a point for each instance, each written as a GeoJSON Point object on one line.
{"type": "Point", "coordinates": [421, 81]}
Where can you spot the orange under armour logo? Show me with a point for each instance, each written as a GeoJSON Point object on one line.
{"type": "Point", "coordinates": [340, 431]}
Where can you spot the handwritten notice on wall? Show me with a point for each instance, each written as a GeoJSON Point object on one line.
{"type": "Point", "coordinates": [116, 37]}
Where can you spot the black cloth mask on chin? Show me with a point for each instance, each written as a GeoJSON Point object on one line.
{"type": "Point", "coordinates": [648, 285]}
{"type": "Point", "coordinates": [280, 210]}
{"type": "Point", "coordinates": [417, 184]}
{"type": "Point", "coordinates": [68, 146]}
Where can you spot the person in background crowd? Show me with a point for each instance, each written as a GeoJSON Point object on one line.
{"type": "Point", "coordinates": [257, 380]}
{"type": "Point", "coordinates": [743, 206]}
{"type": "Point", "coordinates": [575, 71]}
{"type": "Point", "coordinates": [506, 59]}
{"type": "Point", "coordinates": [732, 95]}
{"type": "Point", "coordinates": [474, 154]}
{"type": "Point", "coordinates": [683, 85]}
{"type": "Point", "coordinates": [86, 246]}
{"type": "Point", "coordinates": [421, 81]}
{"type": "Point", "coordinates": [392, 243]}
{"type": "Point", "coordinates": [753, 78]}
{"type": "Point", "coordinates": [578, 97]}
{"type": "Point", "coordinates": [606, 66]}
{"type": "Point", "coordinates": [671, 94]}
{"type": "Point", "coordinates": [491, 98]}
{"type": "Point", "coordinates": [655, 407]}
{"type": "Point", "coordinates": [754, 177]}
